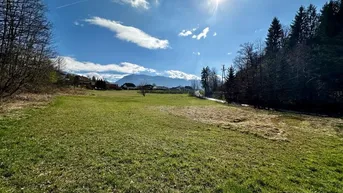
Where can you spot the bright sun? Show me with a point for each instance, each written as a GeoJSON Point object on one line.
{"type": "Point", "coordinates": [214, 5]}
{"type": "Point", "coordinates": [216, 1]}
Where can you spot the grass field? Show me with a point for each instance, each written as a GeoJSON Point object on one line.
{"type": "Point", "coordinates": [123, 142]}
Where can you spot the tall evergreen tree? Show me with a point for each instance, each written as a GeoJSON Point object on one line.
{"type": "Point", "coordinates": [273, 41]}
{"type": "Point", "coordinates": [328, 62]}
{"type": "Point", "coordinates": [230, 85]}
{"type": "Point", "coordinates": [298, 27]}
{"type": "Point", "coordinates": [273, 46]}
{"type": "Point", "coordinates": [311, 23]}
{"type": "Point", "coordinates": [328, 20]}
{"type": "Point", "coordinates": [205, 73]}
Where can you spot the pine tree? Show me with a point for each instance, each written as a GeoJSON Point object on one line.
{"type": "Point", "coordinates": [213, 80]}
{"type": "Point", "coordinates": [230, 85]}
{"type": "Point", "coordinates": [231, 77]}
{"type": "Point", "coordinates": [273, 46]}
{"type": "Point", "coordinates": [311, 22]}
{"type": "Point", "coordinates": [205, 73]}
{"type": "Point", "coordinates": [273, 41]}
{"type": "Point", "coordinates": [327, 56]}
{"type": "Point", "coordinates": [328, 20]}
{"type": "Point", "coordinates": [298, 28]}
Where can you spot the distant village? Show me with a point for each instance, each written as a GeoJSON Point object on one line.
{"type": "Point", "coordinates": [93, 83]}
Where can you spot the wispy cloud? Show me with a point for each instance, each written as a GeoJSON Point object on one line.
{"type": "Point", "coordinates": [104, 76]}
{"type": "Point", "coordinates": [203, 34]}
{"type": "Point", "coordinates": [70, 4]}
{"type": "Point", "coordinates": [259, 30]}
{"type": "Point", "coordinates": [140, 4]}
{"type": "Point", "coordinates": [185, 33]}
{"type": "Point", "coordinates": [113, 72]}
{"type": "Point", "coordinates": [181, 75]}
{"type": "Point", "coordinates": [196, 53]}
{"type": "Point", "coordinates": [78, 23]}
{"type": "Point", "coordinates": [215, 34]}
{"type": "Point", "coordinates": [72, 65]}
{"type": "Point", "coordinates": [130, 34]}
{"type": "Point", "coordinates": [229, 53]}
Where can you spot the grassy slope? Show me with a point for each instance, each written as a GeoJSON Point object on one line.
{"type": "Point", "coordinates": [117, 141]}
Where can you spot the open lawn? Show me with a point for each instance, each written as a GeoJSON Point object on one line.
{"type": "Point", "coordinates": [124, 142]}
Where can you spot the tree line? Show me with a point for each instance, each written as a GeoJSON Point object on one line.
{"type": "Point", "coordinates": [25, 47]}
{"type": "Point", "coordinates": [298, 67]}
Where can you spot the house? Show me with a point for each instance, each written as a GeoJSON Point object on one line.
{"type": "Point", "coordinates": [83, 81]}
{"type": "Point", "coordinates": [113, 86]}
{"type": "Point", "coordinates": [160, 88]}
{"type": "Point", "coordinates": [148, 87]}
{"type": "Point", "coordinates": [128, 86]}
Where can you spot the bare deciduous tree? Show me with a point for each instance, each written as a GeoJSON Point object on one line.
{"type": "Point", "coordinates": [142, 87]}
{"type": "Point", "coordinates": [195, 84]}
{"type": "Point", "coordinates": [25, 51]}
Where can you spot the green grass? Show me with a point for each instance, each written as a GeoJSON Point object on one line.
{"type": "Point", "coordinates": [118, 142]}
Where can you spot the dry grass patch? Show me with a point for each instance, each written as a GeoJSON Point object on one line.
{"type": "Point", "coordinates": [72, 91]}
{"type": "Point", "coordinates": [246, 121]}
{"type": "Point", "coordinates": [269, 125]}
{"type": "Point", "coordinates": [311, 124]}
{"type": "Point", "coordinates": [25, 100]}
{"type": "Point", "coordinates": [32, 100]}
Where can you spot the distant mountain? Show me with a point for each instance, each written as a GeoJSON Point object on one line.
{"type": "Point", "coordinates": [137, 79]}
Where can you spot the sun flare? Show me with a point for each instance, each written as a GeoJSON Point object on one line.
{"type": "Point", "coordinates": [214, 4]}
{"type": "Point", "coordinates": [217, 2]}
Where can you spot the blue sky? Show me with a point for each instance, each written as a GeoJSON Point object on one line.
{"type": "Point", "coordinates": [174, 38]}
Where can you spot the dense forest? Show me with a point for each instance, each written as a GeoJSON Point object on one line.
{"type": "Point", "coordinates": [298, 67]}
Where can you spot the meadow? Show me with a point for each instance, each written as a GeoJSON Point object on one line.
{"type": "Point", "coordinates": [123, 142]}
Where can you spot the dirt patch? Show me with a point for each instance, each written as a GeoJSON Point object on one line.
{"type": "Point", "coordinates": [258, 124]}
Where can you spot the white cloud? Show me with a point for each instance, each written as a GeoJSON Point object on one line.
{"type": "Point", "coordinates": [130, 34]}
{"type": "Point", "coordinates": [259, 30]}
{"type": "Point", "coordinates": [78, 24]}
{"type": "Point", "coordinates": [185, 33]}
{"type": "Point", "coordinates": [215, 34]}
{"type": "Point", "coordinates": [140, 4]}
{"type": "Point", "coordinates": [203, 34]}
{"type": "Point", "coordinates": [104, 76]}
{"type": "Point", "coordinates": [196, 53]}
{"type": "Point", "coordinates": [181, 75]}
{"type": "Point", "coordinates": [72, 65]}
{"type": "Point", "coordinates": [113, 72]}
{"type": "Point", "coordinates": [229, 53]}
